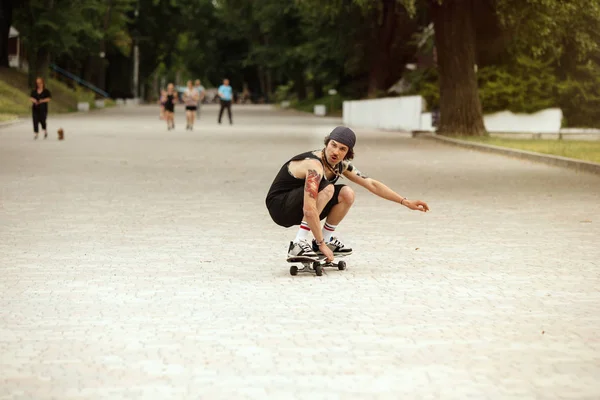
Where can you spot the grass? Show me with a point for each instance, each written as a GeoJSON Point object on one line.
{"type": "Point", "coordinates": [333, 103]}
{"type": "Point", "coordinates": [13, 100]}
{"type": "Point", "coordinates": [578, 149]}
{"type": "Point", "coordinates": [14, 94]}
{"type": "Point", "coordinates": [7, 117]}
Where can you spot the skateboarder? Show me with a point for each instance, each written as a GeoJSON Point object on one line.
{"type": "Point", "coordinates": [305, 191]}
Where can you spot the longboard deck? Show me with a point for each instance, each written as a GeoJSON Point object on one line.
{"type": "Point", "coordinates": [302, 259]}
{"type": "Point", "coordinates": [319, 257]}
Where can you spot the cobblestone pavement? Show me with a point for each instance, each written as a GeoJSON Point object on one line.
{"type": "Point", "coordinates": [139, 263]}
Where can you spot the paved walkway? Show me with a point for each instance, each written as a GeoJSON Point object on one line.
{"type": "Point", "coordinates": [138, 263]}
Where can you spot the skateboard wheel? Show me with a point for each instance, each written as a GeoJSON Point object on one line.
{"type": "Point", "coordinates": [315, 264]}
{"type": "Point", "coordinates": [342, 265]}
{"type": "Point", "coordinates": [319, 270]}
{"type": "Point", "coordinates": [293, 270]}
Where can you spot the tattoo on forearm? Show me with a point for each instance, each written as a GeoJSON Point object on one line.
{"type": "Point", "coordinates": [361, 174]}
{"type": "Point", "coordinates": [312, 183]}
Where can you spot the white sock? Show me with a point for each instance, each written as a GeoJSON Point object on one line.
{"type": "Point", "coordinates": [328, 230]}
{"type": "Point", "coordinates": [302, 232]}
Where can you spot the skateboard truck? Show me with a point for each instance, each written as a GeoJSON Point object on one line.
{"type": "Point", "coordinates": [315, 265]}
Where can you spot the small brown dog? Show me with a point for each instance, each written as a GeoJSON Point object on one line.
{"type": "Point", "coordinates": [61, 134]}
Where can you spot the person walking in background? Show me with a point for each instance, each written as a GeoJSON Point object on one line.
{"type": "Point", "coordinates": [190, 98]}
{"type": "Point", "coordinates": [226, 96]}
{"type": "Point", "coordinates": [201, 93]}
{"type": "Point", "coordinates": [170, 106]}
{"type": "Point", "coordinates": [40, 97]}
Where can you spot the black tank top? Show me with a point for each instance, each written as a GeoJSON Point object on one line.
{"type": "Point", "coordinates": [170, 98]}
{"type": "Point", "coordinates": [284, 181]}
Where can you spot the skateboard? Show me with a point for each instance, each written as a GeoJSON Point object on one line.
{"type": "Point", "coordinates": [315, 264]}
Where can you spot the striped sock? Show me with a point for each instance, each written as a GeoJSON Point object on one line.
{"type": "Point", "coordinates": [302, 232]}
{"type": "Point", "coordinates": [328, 230]}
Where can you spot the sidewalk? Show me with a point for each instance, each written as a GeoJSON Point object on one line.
{"type": "Point", "coordinates": [142, 263]}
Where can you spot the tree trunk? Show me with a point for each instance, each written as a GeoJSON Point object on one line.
{"type": "Point", "coordinates": [300, 85]}
{"type": "Point", "coordinates": [5, 22]}
{"type": "Point", "coordinates": [261, 79]}
{"type": "Point", "coordinates": [460, 108]}
{"type": "Point", "coordinates": [317, 89]}
{"type": "Point", "coordinates": [42, 63]}
{"type": "Point", "coordinates": [269, 85]}
{"type": "Point", "coordinates": [382, 46]}
{"type": "Point", "coordinates": [101, 62]}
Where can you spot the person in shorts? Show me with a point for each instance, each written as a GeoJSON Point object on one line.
{"type": "Point", "coordinates": [190, 99]}
{"type": "Point", "coordinates": [305, 191]}
{"type": "Point", "coordinates": [171, 100]}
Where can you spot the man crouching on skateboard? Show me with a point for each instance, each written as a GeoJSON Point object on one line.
{"type": "Point", "coordinates": [305, 191]}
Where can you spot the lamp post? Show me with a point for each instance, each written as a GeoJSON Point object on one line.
{"type": "Point", "coordinates": [136, 57]}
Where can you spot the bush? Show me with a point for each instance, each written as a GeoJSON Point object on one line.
{"type": "Point", "coordinates": [526, 86]}
{"type": "Point", "coordinates": [580, 96]}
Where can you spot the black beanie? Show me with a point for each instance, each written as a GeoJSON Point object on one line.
{"type": "Point", "coordinates": [344, 135]}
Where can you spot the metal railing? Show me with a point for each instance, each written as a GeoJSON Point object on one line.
{"type": "Point", "coordinates": [80, 81]}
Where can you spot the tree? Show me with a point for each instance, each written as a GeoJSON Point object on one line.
{"type": "Point", "coordinates": [6, 9]}
{"type": "Point", "coordinates": [52, 28]}
{"type": "Point", "coordinates": [455, 44]}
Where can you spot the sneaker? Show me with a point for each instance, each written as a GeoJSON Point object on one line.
{"type": "Point", "coordinates": [336, 246]}
{"type": "Point", "coordinates": [45, 135]}
{"type": "Point", "coordinates": [300, 249]}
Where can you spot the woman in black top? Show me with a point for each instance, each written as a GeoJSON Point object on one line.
{"type": "Point", "coordinates": [171, 100]}
{"type": "Point", "coordinates": [40, 96]}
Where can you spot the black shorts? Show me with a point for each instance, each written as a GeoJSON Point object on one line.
{"type": "Point", "coordinates": [287, 209]}
{"type": "Point", "coordinates": [169, 107]}
{"type": "Point", "coordinates": [191, 108]}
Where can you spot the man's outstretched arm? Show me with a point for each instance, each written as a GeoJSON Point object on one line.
{"type": "Point", "coordinates": [383, 191]}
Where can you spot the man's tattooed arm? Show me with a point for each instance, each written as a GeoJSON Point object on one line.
{"type": "Point", "coordinates": [352, 168]}
{"type": "Point", "coordinates": [357, 172]}
{"type": "Point", "coordinates": [311, 186]}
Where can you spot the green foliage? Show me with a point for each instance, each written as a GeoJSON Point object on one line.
{"type": "Point", "coordinates": [580, 96]}
{"type": "Point", "coordinates": [333, 103]}
{"type": "Point", "coordinates": [424, 82]}
{"type": "Point", "coordinates": [60, 27]}
{"type": "Point", "coordinates": [13, 100]}
{"type": "Point", "coordinates": [526, 86]}
{"type": "Point", "coordinates": [541, 28]}
{"type": "Point", "coordinates": [284, 92]}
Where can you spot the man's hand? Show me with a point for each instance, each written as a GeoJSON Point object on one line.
{"type": "Point", "coordinates": [326, 251]}
{"type": "Point", "coordinates": [417, 205]}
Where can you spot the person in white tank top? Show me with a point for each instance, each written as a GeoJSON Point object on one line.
{"type": "Point", "coordinates": [190, 98]}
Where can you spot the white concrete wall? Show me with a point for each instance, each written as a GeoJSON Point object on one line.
{"type": "Point", "coordinates": [393, 113]}
{"type": "Point", "coordinates": [544, 121]}
{"type": "Point", "coordinates": [405, 113]}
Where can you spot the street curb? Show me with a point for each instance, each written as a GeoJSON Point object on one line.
{"type": "Point", "coordinates": [559, 161]}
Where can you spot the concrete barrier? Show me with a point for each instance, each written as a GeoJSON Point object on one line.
{"type": "Point", "coordinates": [405, 113]}
{"type": "Point", "coordinates": [392, 113]}
{"type": "Point", "coordinates": [83, 106]}
{"type": "Point", "coordinates": [99, 103]}
{"type": "Point", "coordinates": [544, 121]}
{"type": "Point", "coordinates": [320, 110]}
